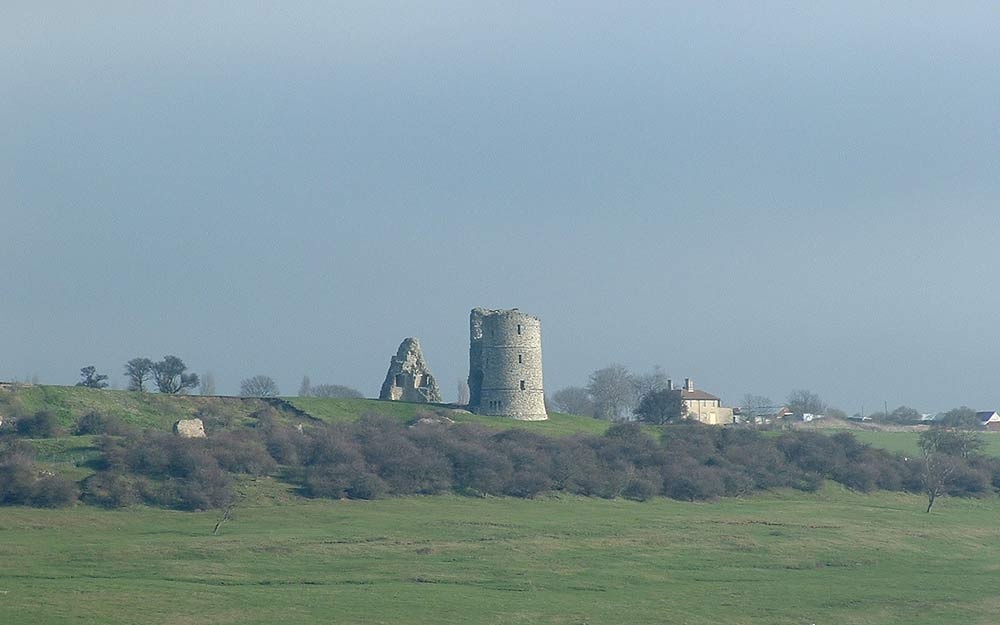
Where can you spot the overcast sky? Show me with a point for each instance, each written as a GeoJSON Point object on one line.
{"type": "Point", "coordinates": [761, 196]}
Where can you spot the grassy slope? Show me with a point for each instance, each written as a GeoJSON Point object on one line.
{"type": "Point", "coordinates": [340, 410]}
{"type": "Point", "coordinates": [153, 410]}
{"type": "Point", "coordinates": [150, 410]}
{"type": "Point", "coordinates": [831, 557]}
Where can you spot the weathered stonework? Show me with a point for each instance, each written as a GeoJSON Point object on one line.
{"type": "Point", "coordinates": [409, 378]}
{"type": "Point", "coordinates": [505, 364]}
{"type": "Point", "coordinates": [190, 428]}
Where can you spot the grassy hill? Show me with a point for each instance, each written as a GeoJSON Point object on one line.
{"type": "Point", "coordinates": [776, 559]}
{"type": "Point", "coordinates": [339, 410]}
{"type": "Point", "coordinates": [157, 411]}
{"type": "Point", "coordinates": [153, 410]}
{"type": "Point", "coordinates": [147, 410]}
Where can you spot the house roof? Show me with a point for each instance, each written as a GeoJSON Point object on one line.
{"type": "Point", "coordinates": [696, 394]}
{"type": "Point", "coordinates": [987, 416]}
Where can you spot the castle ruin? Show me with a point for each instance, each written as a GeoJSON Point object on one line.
{"type": "Point", "coordinates": [505, 365]}
{"type": "Point", "coordinates": [409, 378]}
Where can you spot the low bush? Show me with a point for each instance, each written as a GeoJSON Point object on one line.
{"type": "Point", "coordinates": [42, 424]}
{"type": "Point", "coordinates": [96, 423]}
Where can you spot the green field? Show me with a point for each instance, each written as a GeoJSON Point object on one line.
{"type": "Point", "coordinates": [906, 442]}
{"type": "Point", "coordinates": [153, 410]}
{"type": "Point", "coordinates": [342, 410]}
{"type": "Point", "coordinates": [828, 558]}
{"type": "Point", "coordinates": [833, 557]}
{"type": "Point", "coordinates": [147, 410]}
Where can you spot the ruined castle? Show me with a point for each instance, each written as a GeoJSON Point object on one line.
{"type": "Point", "coordinates": [505, 364]}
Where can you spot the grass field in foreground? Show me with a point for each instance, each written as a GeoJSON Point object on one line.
{"type": "Point", "coordinates": [787, 558]}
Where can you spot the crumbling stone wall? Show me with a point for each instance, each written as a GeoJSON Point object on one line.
{"type": "Point", "coordinates": [505, 364]}
{"type": "Point", "coordinates": [190, 428]}
{"type": "Point", "coordinates": [409, 378]}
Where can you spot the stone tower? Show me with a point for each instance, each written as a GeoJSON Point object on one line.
{"type": "Point", "coordinates": [505, 364]}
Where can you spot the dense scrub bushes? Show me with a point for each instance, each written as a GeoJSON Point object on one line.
{"type": "Point", "coordinates": [23, 482]}
{"type": "Point", "coordinates": [378, 456]}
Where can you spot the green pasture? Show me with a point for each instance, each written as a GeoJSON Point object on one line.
{"type": "Point", "coordinates": [906, 442]}
{"type": "Point", "coordinates": [332, 410]}
{"type": "Point", "coordinates": [832, 557]}
{"type": "Point", "coordinates": [148, 410]}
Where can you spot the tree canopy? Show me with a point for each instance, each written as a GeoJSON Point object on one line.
{"type": "Point", "coordinates": [259, 386]}
{"type": "Point", "coordinates": [92, 379]}
{"type": "Point", "coordinates": [138, 370]}
{"type": "Point", "coordinates": [662, 406]}
{"type": "Point", "coordinates": [170, 377]}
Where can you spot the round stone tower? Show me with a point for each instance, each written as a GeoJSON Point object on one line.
{"type": "Point", "coordinates": [505, 364]}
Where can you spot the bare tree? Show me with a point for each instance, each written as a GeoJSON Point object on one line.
{"type": "Point", "coordinates": [305, 387]}
{"type": "Point", "coordinates": [802, 402]}
{"type": "Point", "coordinates": [756, 407]}
{"type": "Point", "coordinates": [207, 386]}
{"type": "Point", "coordinates": [648, 382]}
{"type": "Point", "coordinates": [336, 390]}
{"type": "Point", "coordinates": [258, 386]}
{"type": "Point", "coordinates": [613, 392]}
{"type": "Point", "coordinates": [944, 451]}
{"type": "Point", "coordinates": [573, 400]}
{"type": "Point", "coordinates": [463, 393]}
{"type": "Point", "coordinates": [138, 370]}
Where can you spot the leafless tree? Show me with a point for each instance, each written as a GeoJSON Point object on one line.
{"type": "Point", "coordinates": [756, 407]}
{"type": "Point", "coordinates": [573, 400]}
{"type": "Point", "coordinates": [941, 450]}
{"type": "Point", "coordinates": [463, 393]}
{"type": "Point", "coordinates": [306, 387]}
{"type": "Point", "coordinates": [207, 384]}
{"type": "Point", "coordinates": [138, 370]}
{"type": "Point", "coordinates": [613, 391]}
{"type": "Point", "coordinates": [802, 402]}
{"type": "Point", "coordinates": [258, 386]}
{"type": "Point", "coordinates": [335, 390]}
{"type": "Point", "coordinates": [650, 382]}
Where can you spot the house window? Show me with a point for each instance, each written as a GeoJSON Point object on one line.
{"type": "Point", "coordinates": [523, 386]}
{"type": "Point", "coordinates": [520, 359]}
{"type": "Point", "coordinates": [519, 328]}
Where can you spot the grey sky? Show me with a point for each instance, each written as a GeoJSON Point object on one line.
{"type": "Point", "coordinates": [762, 197]}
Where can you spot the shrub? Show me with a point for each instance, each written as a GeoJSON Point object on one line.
{"type": "Point", "coordinates": [96, 423]}
{"type": "Point", "coordinates": [53, 491]}
{"type": "Point", "coordinates": [42, 424]}
{"type": "Point", "coordinates": [642, 487]}
{"type": "Point", "coordinates": [22, 483]}
{"type": "Point", "coordinates": [17, 479]}
{"type": "Point", "coordinates": [242, 452]}
{"type": "Point", "coordinates": [109, 490]}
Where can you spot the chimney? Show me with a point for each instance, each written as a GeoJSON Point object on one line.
{"type": "Point", "coordinates": [688, 384]}
{"type": "Point", "coordinates": [670, 384]}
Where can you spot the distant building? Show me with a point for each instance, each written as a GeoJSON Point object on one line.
{"type": "Point", "coordinates": [989, 419]}
{"type": "Point", "coordinates": [702, 406]}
